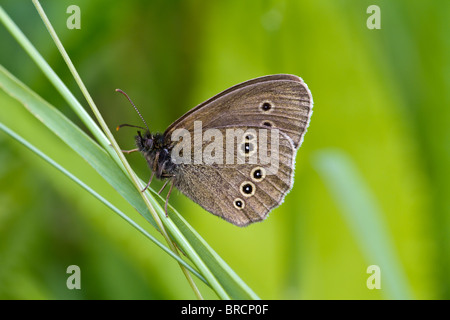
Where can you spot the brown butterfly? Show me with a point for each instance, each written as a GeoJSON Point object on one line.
{"type": "Point", "coordinates": [269, 114]}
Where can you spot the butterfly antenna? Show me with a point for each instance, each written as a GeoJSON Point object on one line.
{"type": "Point", "coordinates": [135, 108]}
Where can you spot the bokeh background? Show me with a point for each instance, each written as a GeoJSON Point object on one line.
{"type": "Point", "coordinates": [372, 177]}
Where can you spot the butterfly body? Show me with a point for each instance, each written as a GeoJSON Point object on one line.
{"type": "Point", "coordinates": [156, 151]}
{"type": "Point", "coordinates": [269, 113]}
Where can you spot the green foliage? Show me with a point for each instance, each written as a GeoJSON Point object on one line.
{"type": "Point", "coordinates": [381, 103]}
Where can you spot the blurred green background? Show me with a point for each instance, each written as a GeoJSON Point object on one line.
{"type": "Point", "coordinates": [372, 177]}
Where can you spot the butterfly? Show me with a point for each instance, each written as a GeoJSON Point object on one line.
{"type": "Point", "coordinates": [234, 180]}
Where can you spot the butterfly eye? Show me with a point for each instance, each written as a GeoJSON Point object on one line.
{"type": "Point", "coordinates": [258, 174]}
{"type": "Point", "coordinates": [247, 189]}
{"type": "Point", "coordinates": [239, 203]}
{"type": "Point", "coordinates": [149, 143]}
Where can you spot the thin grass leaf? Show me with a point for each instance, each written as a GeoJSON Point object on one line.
{"type": "Point", "coordinates": [173, 229]}
{"type": "Point", "coordinates": [365, 219]}
{"type": "Point", "coordinates": [53, 78]}
{"type": "Point", "coordinates": [31, 147]}
{"type": "Point", "coordinates": [77, 140]}
{"type": "Point", "coordinates": [158, 216]}
{"type": "Point", "coordinates": [218, 274]}
{"type": "Point", "coordinates": [74, 137]}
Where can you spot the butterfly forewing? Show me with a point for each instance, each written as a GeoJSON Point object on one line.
{"type": "Point", "coordinates": [277, 101]}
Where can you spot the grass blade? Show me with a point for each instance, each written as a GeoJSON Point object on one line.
{"type": "Point", "coordinates": [364, 217]}
{"type": "Point", "coordinates": [225, 282]}
{"type": "Point", "coordinates": [98, 196]}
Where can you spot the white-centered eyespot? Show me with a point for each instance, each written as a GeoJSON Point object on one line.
{"type": "Point", "coordinates": [258, 174]}
{"type": "Point", "coordinates": [247, 148]}
{"type": "Point", "coordinates": [247, 188]}
{"type": "Point", "coordinates": [249, 136]}
{"type": "Point", "coordinates": [267, 123]}
{"type": "Point", "coordinates": [266, 106]}
{"type": "Point", "coordinates": [239, 203]}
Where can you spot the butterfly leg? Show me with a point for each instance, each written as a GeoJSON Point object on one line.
{"type": "Point", "coordinates": [149, 181]}
{"type": "Point", "coordinates": [164, 185]}
{"type": "Point", "coordinates": [130, 151]}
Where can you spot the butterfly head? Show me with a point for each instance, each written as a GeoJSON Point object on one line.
{"type": "Point", "coordinates": [156, 153]}
{"type": "Point", "coordinates": [153, 146]}
{"type": "Point", "coordinates": [147, 142]}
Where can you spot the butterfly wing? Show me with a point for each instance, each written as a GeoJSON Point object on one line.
{"type": "Point", "coordinates": [281, 105]}
{"type": "Point", "coordinates": [277, 101]}
{"type": "Point", "coordinates": [241, 193]}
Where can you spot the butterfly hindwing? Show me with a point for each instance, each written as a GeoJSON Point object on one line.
{"type": "Point", "coordinates": [241, 193]}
